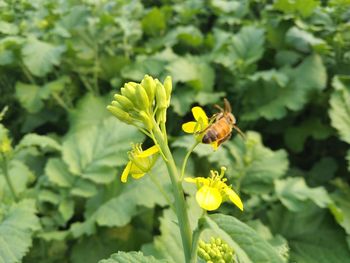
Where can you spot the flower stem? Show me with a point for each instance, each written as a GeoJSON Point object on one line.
{"type": "Point", "coordinates": [4, 166]}
{"type": "Point", "coordinates": [196, 235]}
{"type": "Point", "coordinates": [186, 159]}
{"type": "Point", "coordinates": [179, 198]}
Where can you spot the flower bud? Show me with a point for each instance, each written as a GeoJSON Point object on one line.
{"type": "Point", "coordinates": [168, 86]}
{"type": "Point", "coordinates": [119, 113]}
{"type": "Point", "coordinates": [129, 91]}
{"type": "Point", "coordinates": [150, 87]}
{"type": "Point", "coordinates": [124, 102]}
{"type": "Point", "coordinates": [142, 98]}
{"type": "Point", "coordinates": [161, 96]}
{"type": "Point", "coordinates": [146, 120]}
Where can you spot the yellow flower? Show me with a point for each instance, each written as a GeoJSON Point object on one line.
{"type": "Point", "coordinates": [199, 126]}
{"type": "Point", "coordinates": [213, 191]}
{"type": "Point", "coordinates": [140, 162]}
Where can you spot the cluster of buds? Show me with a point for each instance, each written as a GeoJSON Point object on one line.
{"type": "Point", "coordinates": [139, 103]}
{"type": "Point", "coordinates": [217, 251]}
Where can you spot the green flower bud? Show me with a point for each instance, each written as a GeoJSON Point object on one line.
{"type": "Point", "coordinates": [119, 113]}
{"type": "Point", "coordinates": [218, 241]}
{"type": "Point", "coordinates": [168, 86]}
{"type": "Point", "coordinates": [201, 244]}
{"type": "Point", "coordinates": [222, 261]}
{"type": "Point", "coordinates": [124, 102]}
{"type": "Point", "coordinates": [161, 96]}
{"type": "Point", "coordinates": [129, 91]}
{"type": "Point", "coordinates": [146, 119]}
{"type": "Point", "coordinates": [150, 87]}
{"type": "Point", "coordinates": [212, 253]}
{"type": "Point", "coordinates": [202, 254]}
{"type": "Point", "coordinates": [142, 98]}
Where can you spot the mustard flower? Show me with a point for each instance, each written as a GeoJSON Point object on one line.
{"type": "Point", "coordinates": [140, 162]}
{"type": "Point", "coordinates": [199, 126]}
{"type": "Point", "coordinates": [213, 191]}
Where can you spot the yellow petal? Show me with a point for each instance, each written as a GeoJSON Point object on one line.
{"type": "Point", "coordinates": [199, 114]}
{"type": "Point", "coordinates": [190, 180]}
{"type": "Point", "coordinates": [150, 151]}
{"type": "Point", "coordinates": [208, 198]}
{"type": "Point", "coordinates": [214, 145]}
{"type": "Point", "coordinates": [137, 176]}
{"type": "Point", "coordinates": [234, 198]}
{"type": "Point", "coordinates": [190, 127]}
{"type": "Point", "coordinates": [201, 180]}
{"type": "Point", "coordinates": [125, 173]}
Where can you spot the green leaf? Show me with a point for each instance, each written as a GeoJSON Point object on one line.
{"type": "Point", "coordinates": [194, 71]}
{"type": "Point", "coordinates": [340, 107]}
{"type": "Point", "coordinates": [303, 7]}
{"type": "Point", "coordinates": [293, 192]}
{"type": "Point", "coordinates": [256, 165]}
{"type": "Point", "coordinates": [118, 210]}
{"type": "Point", "coordinates": [29, 97]}
{"type": "Point", "coordinates": [340, 207]}
{"type": "Point", "coordinates": [8, 28]}
{"type": "Point", "coordinates": [94, 153]}
{"type": "Point", "coordinates": [248, 45]}
{"type": "Point", "coordinates": [271, 75]}
{"type": "Point", "coordinates": [130, 257]}
{"type": "Point", "coordinates": [305, 41]}
{"type": "Point", "coordinates": [90, 111]}
{"type": "Point", "coordinates": [16, 230]}
{"type": "Point", "coordinates": [269, 100]}
{"type": "Point", "coordinates": [296, 136]}
{"type": "Point", "coordinates": [154, 22]}
{"type": "Point", "coordinates": [20, 176]}
{"type": "Point", "coordinates": [247, 244]}
{"type": "Point", "coordinates": [312, 235]}
{"type": "Point", "coordinates": [43, 142]}
{"type": "Point", "coordinates": [66, 209]}
{"type": "Point", "coordinates": [40, 57]}
{"type": "Point", "coordinates": [57, 172]}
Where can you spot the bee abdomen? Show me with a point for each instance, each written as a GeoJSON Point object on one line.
{"type": "Point", "coordinates": [210, 136]}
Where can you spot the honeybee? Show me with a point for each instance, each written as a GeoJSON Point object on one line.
{"type": "Point", "coordinates": [222, 125]}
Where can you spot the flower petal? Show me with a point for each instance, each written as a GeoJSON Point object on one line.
{"type": "Point", "coordinates": [137, 176]}
{"type": "Point", "coordinates": [125, 174]}
{"type": "Point", "coordinates": [201, 180]}
{"type": "Point", "coordinates": [215, 145]}
{"type": "Point", "coordinates": [199, 114]}
{"type": "Point", "coordinates": [234, 198]}
{"type": "Point", "coordinates": [208, 198]}
{"type": "Point", "coordinates": [150, 151]}
{"type": "Point", "coordinates": [190, 127]}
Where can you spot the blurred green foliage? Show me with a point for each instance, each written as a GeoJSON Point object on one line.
{"type": "Point", "coordinates": [283, 65]}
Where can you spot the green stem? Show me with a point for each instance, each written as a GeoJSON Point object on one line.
{"type": "Point", "coordinates": [27, 74]}
{"type": "Point", "coordinates": [60, 101]}
{"type": "Point", "coordinates": [179, 198]}
{"type": "Point", "coordinates": [195, 238]}
{"type": "Point", "coordinates": [186, 159]}
{"type": "Point", "coordinates": [161, 190]}
{"type": "Point", "coordinates": [4, 167]}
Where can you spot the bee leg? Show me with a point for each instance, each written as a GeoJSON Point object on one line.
{"type": "Point", "coordinates": [239, 131]}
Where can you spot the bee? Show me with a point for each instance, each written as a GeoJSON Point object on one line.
{"type": "Point", "coordinates": [222, 126]}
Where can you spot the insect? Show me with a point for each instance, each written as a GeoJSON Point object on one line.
{"type": "Point", "coordinates": [222, 125]}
